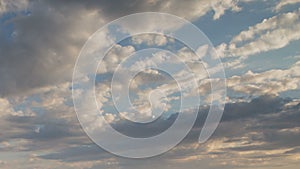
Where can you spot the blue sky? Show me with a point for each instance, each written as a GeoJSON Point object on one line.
{"type": "Point", "coordinates": [257, 41]}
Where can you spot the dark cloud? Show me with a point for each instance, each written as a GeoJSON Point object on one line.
{"type": "Point", "coordinates": [41, 45]}
{"type": "Point", "coordinates": [112, 9]}
{"type": "Point", "coordinates": [266, 120]}
{"type": "Point", "coordinates": [89, 152]}
{"type": "Point", "coordinates": [258, 106]}
{"type": "Point", "coordinates": [42, 48]}
{"type": "Point", "coordinates": [234, 128]}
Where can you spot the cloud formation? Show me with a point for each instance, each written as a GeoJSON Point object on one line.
{"type": "Point", "coordinates": [39, 44]}
{"type": "Point", "coordinates": [284, 3]}
{"type": "Point", "coordinates": [272, 33]}
{"type": "Point", "coordinates": [44, 42]}
{"type": "Point", "coordinates": [260, 137]}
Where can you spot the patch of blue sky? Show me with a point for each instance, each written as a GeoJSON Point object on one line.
{"type": "Point", "coordinates": [34, 98]}
{"type": "Point", "coordinates": [274, 59]}
{"type": "Point", "coordinates": [191, 40]}
{"type": "Point", "coordinates": [109, 108]}
{"type": "Point", "coordinates": [117, 33]}
{"type": "Point", "coordinates": [282, 58]}
{"type": "Point", "coordinates": [295, 94]}
{"type": "Point", "coordinates": [234, 94]}
{"type": "Point", "coordinates": [7, 16]}
{"type": "Point", "coordinates": [26, 104]}
{"type": "Point", "coordinates": [103, 77]}
{"type": "Point", "coordinates": [7, 30]}
{"type": "Point", "coordinates": [6, 26]}
{"type": "Point", "coordinates": [170, 45]}
{"type": "Point", "coordinates": [38, 110]}
{"type": "Point", "coordinates": [77, 86]}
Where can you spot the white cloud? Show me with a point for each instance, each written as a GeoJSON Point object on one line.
{"type": "Point", "coordinates": [7, 110]}
{"type": "Point", "coordinates": [5, 107]}
{"type": "Point", "coordinates": [283, 3]}
{"type": "Point", "coordinates": [272, 33]}
{"type": "Point", "coordinates": [150, 40]}
{"type": "Point", "coordinates": [270, 82]}
{"type": "Point", "coordinates": [194, 9]}
{"type": "Point", "coordinates": [220, 7]}
{"type": "Point", "coordinates": [189, 9]}
{"type": "Point", "coordinates": [114, 58]}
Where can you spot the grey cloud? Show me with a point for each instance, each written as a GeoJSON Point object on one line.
{"type": "Point", "coordinates": [49, 128]}
{"type": "Point", "coordinates": [45, 43]}
{"type": "Point", "coordinates": [239, 122]}
{"type": "Point", "coordinates": [80, 153]}
{"type": "Point", "coordinates": [258, 106]}
{"type": "Point", "coordinates": [265, 114]}
{"type": "Point", "coordinates": [42, 49]}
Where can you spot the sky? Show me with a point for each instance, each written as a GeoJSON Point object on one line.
{"type": "Point", "coordinates": [257, 42]}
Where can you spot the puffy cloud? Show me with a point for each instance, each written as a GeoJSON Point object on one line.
{"type": "Point", "coordinates": [5, 107]}
{"type": "Point", "coordinates": [269, 82]}
{"type": "Point", "coordinates": [150, 40]}
{"type": "Point", "coordinates": [220, 7]}
{"type": "Point", "coordinates": [114, 58]}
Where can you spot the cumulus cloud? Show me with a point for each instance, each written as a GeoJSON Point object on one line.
{"type": "Point", "coordinates": [5, 107]}
{"type": "Point", "coordinates": [150, 40]}
{"type": "Point", "coordinates": [268, 82]}
{"type": "Point", "coordinates": [274, 81]}
{"type": "Point", "coordinates": [114, 58]}
{"type": "Point", "coordinates": [220, 7]}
